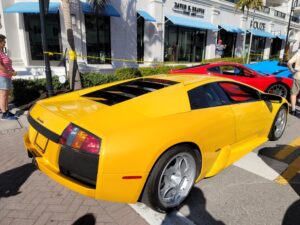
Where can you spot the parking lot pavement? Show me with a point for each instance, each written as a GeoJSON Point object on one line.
{"type": "Point", "coordinates": [29, 197]}
{"type": "Point", "coordinates": [263, 187]}
{"type": "Point", "coordinates": [250, 192]}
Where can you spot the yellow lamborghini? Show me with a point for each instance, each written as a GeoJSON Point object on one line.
{"type": "Point", "coordinates": [150, 139]}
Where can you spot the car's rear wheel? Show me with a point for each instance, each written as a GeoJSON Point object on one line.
{"type": "Point", "coordinates": [278, 89]}
{"type": "Point", "coordinates": [171, 179]}
{"type": "Point", "coordinates": [279, 124]}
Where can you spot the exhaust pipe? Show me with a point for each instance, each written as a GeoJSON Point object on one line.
{"type": "Point", "coordinates": [34, 162]}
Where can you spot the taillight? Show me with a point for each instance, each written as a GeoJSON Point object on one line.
{"type": "Point", "coordinates": [81, 140]}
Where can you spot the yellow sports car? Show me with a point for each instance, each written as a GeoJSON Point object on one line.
{"type": "Point", "coordinates": [150, 139]}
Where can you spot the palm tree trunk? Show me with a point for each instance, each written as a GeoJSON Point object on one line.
{"type": "Point", "coordinates": [74, 76]}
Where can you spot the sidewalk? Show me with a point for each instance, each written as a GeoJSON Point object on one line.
{"type": "Point", "coordinates": [29, 197]}
{"type": "Point", "coordinates": [10, 126]}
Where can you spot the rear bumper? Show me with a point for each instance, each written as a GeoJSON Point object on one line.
{"type": "Point", "coordinates": [55, 174]}
{"type": "Point", "coordinates": [111, 187]}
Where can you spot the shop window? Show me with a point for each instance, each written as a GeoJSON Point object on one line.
{"type": "Point", "coordinates": [140, 38]}
{"type": "Point", "coordinates": [257, 47]}
{"type": "Point", "coordinates": [98, 42]}
{"type": "Point", "coordinates": [184, 44]}
{"type": "Point", "coordinates": [33, 29]}
{"type": "Point", "coordinates": [275, 48]}
{"type": "Point", "coordinates": [228, 39]}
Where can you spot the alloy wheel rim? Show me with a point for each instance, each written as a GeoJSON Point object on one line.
{"type": "Point", "coordinates": [278, 89]}
{"type": "Point", "coordinates": [177, 179]}
{"type": "Point", "coordinates": [280, 123]}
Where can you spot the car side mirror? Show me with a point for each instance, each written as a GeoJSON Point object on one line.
{"type": "Point", "coordinates": [271, 98]}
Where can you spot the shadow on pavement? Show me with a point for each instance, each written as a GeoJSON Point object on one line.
{"type": "Point", "coordinates": [292, 214]}
{"type": "Point", "coordinates": [196, 204]}
{"type": "Point", "coordinates": [87, 219]}
{"type": "Point", "coordinates": [12, 180]}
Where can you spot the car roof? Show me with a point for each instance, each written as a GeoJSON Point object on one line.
{"type": "Point", "coordinates": [225, 63]}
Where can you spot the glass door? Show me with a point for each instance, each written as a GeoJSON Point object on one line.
{"type": "Point", "coordinates": [98, 39]}
{"type": "Point", "coordinates": [275, 48]}
{"type": "Point", "coordinates": [199, 45]}
{"type": "Point", "coordinates": [140, 39]}
{"type": "Point", "coordinates": [185, 45]}
{"type": "Point", "coordinates": [228, 39]}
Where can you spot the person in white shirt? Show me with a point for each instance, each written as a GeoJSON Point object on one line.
{"type": "Point", "coordinates": [296, 80]}
{"type": "Point", "coordinates": [220, 49]}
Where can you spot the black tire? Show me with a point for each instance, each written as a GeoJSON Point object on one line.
{"type": "Point", "coordinates": [278, 89]}
{"type": "Point", "coordinates": [152, 194]}
{"type": "Point", "coordinates": [279, 124]}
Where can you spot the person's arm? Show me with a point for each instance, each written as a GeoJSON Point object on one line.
{"type": "Point", "coordinates": [291, 62]}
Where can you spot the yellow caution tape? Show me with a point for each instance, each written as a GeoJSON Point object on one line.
{"type": "Point", "coordinates": [72, 55]}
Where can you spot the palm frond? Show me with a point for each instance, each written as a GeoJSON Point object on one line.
{"type": "Point", "coordinates": [248, 4]}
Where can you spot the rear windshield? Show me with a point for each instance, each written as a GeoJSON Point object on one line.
{"type": "Point", "coordinates": [128, 90]}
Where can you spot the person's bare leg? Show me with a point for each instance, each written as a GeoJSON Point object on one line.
{"type": "Point", "coordinates": [293, 102]}
{"type": "Point", "coordinates": [6, 99]}
{"type": "Point", "coordinates": [3, 105]}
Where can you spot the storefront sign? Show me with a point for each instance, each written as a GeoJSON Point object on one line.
{"type": "Point", "coordinates": [258, 25]}
{"type": "Point", "coordinates": [188, 10]}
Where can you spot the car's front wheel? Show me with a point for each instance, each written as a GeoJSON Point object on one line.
{"type": "Point", "coordinates": [171, 179]}
{"type": "Point", "coordinates": [279, 124]}
{"type": "Point", "coordinates": [278, 89]}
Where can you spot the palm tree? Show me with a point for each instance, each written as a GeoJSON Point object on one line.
{"type": "Point", "coordinates": [74, 76]}
{"type": "Point", "coordinates": [248, 4]}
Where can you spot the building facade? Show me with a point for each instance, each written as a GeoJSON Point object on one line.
{"type": "Point", "coordinates": [132, 33]}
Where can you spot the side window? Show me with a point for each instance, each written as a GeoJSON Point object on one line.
{"type": "Point", "coordinates": [228, 70]}
{"type": "Point", "coordinates": [239, 93]}
{"type": "Point", "coordinates": [206, 96]}
{"type": "Point", "coordinates": [215, 69]}
{"type": "Point", "coordinates": [238, 71]}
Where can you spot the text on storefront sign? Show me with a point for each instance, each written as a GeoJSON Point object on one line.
{"type": "Point", "coordinates": [258, 25]}
{"type": "Point", "coordinates": [188, 9]}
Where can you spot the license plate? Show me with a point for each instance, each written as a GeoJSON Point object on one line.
{"type": "Point", "coordinates": [41, 142]}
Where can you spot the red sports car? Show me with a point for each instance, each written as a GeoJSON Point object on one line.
{"type": "Point", "coordinates": [265, 82]}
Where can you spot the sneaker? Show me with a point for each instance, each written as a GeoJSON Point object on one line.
{"type": "Point", "coordinates": [293, 113]}
{"type": "Point", "coordinates": [8, 116]}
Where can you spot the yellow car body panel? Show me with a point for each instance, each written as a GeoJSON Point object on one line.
{"type": "Point", "coordinates": [135, 133]}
